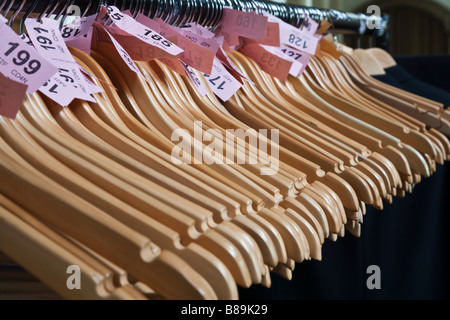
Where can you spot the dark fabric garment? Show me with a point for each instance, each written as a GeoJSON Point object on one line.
{"type": "Point", "coordinates": [434, 70]}
{"type": "Point", "coordinates": [407, 240]}
{"type": "Point", "coordinates": [386, 78]}
{"type": "Point", "coordinates": [421, 88]}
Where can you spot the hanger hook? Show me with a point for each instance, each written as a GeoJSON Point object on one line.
{"type": "Point", "coordinates": [130, 5]}
{"type": "Point", "coordinates": [153, 9]}
{"type": "Point", "coordinates": [178, 14]}
{"type": "Point", "coordinates": [330, 20]}
{"type": "Point", "coordinates": [8, 8]}
{"type": "Point", "coordinates": [55, 6]}
{"type": "Point", "coordinates": [142, 7]}
{"type": "Point", "coordinates": [167, 10]}
{"type": "Point", "coordinates": [16, 13]}
{"type": "Point", "coordinates": [136, 9]}
{"type": "Point", "coordinates": [4, 2]}
{"type": "Point", "coordinates": [69, 4]}
{"type": "Point", "coordinates": [26, 15]}
{"type": "Point", "coordinates": [190, 9]}
{"type": "Point", "coordinates": [99, 4]}
{"type": "Point", "coordinates": [164, 12]}
{"type": "Point", "coordinates": [88, 7]}
{"type": "Point", "coordinates": [44, 12]}
{"type": "Point", "coordinates": [215, 14]}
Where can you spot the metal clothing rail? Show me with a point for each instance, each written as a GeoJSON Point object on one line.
{"type": "Point", "coordinates": [209, 12]}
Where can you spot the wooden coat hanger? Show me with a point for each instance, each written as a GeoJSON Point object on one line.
{"type": "Point", "coordinates": [365, 59]}
{"type": "Point", "coordinates": [386, 61]}
{"type": "Point", "coordinates": [209, 240]}
{"type": "Point", "coordinates": [136, 197]}
{"type": "Point", "coordinates": [247, 206]}
{"type": "Point", "coordinates": [282, 180]}
{"type": "Point", "coordinates": [21, 241]}
{"type": "Point", "coordinates": [142, 94]}
{"type": "Point", "coordinates": [252, 177]}
{"type": "Point", "coordinates": [205, 168]}
{"type": "Point", "coordinates": [415, 159]}
{"type": "Point", "coordinates": [439, 140]}
{"type": "Point", "coordinates": [330, 169]}
{"type": "Point", "coordinates": [337, 70]}
{"type": "Point", "coordinates": [403, 103]}
{"type": "Point", "coordinates": [384, 163]}
{"type": "Point", "coordinates": [280, 225]}
{"type": "Point", "coordinates": [302, 222]}
{"type": "Point", "coordinates": [213, 269]}
{"type": "Point", "coordinates": [372, 66]}
{"type": "Point", "coordinates": [422, 110]}
{"type": "Point", "coordinates": [116, 286]}
{"type": "Point", "coordinates": [321, 200]}
{"type": "Point", "coordinates": [310, 238]}
{"type": "Point", "coordinates": [297, 258]}
{"type": "Point", "coordinates": [255, 103]}
{"type": "Point", "coordinates": [368, 199]}
{"type": "Point", "coordinates": [66, 212]}
{"type": "Point", "coordinates": [232, 238]}
{"type": "Point", "coordinates": [368, 98]}
{"type": "Point", "coordinates": [411, 137]}
{"type": "Point", "coordinates": [289, 172]}
{"type": "Point", "coordinates": [167, 167]}
{"type": "Point", "coordinates": [441, 143]}
{"type": "Point", "coordinates": [103, 276]}
{"type": "Point", "coordinates": [349, 127]}
{"type": "Point", "coordinates": [273, 101]}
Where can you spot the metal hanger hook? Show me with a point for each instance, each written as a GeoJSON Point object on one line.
{"type": "Point", "coordinates": [16, 13]}
{"type": "Point", "coordinates": [88, 7]}
{"type": "Point", "coordinates": [4, 2]}
{"type": "Point", "coordinates": [8, 8]}
{"type": "Point", "coordinates": [70, 8]}
{"type": "Point", "coordinates": [26, 15]}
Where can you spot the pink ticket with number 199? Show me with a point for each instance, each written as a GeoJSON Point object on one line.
{"type": "Point", "coordinates": [20, 62]}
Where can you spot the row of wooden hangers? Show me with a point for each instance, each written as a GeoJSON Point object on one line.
{"type": "Point", "coordinates": [94, 185]}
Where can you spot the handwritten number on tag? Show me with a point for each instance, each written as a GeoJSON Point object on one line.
{"type": "Point", "coordinates": [66, 77]}
{"type": "Point", "coordinates": [44, 40]}
{"type": "Point", "coordinates": [156, 37]}
{"type": "Point", "coordinates": [214, 82]}
{"type": "Point", "coordinates": [22, 58]}
{"type": "Point", "coordinates": [270, 61]}
{"type": "Point", "coordinates": [116, 16]}
{"type": "Point", "coordinates": [67, 32]}
{"type": "Point", "coordinates": [306, 25]}
{"type": "Point", "coordinates": [245, 21]}
{"type": "Point", "coordinates": [294, 55]}
{"type": "Point", "coordinates": [297, 41]}
{"type": "Point", "coordinates": [13, 47]}
{"type": "Point", "coordinates": [52, 89]}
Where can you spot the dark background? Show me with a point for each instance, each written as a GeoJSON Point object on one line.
{"type": "Point", "coordinates": [407, 240]}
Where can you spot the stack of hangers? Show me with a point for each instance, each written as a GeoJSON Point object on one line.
{"type": "Point", "coordinates": [94, 184]}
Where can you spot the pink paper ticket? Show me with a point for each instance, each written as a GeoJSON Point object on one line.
{"type": "Point", "coordinates": [244, 24]}
{"type": "Point", "coordinates": [78, 34]}
{"type": "Point", "coordinates": [221, 82]}
{"type": "Point", "coordinates": [296, 38]}
{"type": "Point", "coordinates": [49, 42]}
{"type": "Point", "coordinates": [142, 32]}
{"type": "Point", "coordinates": [21, 62]}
